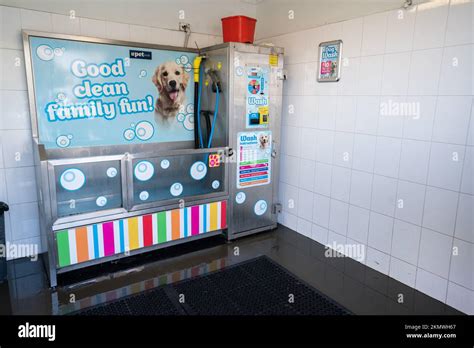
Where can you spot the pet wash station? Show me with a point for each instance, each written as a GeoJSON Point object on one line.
{"type": "Point", "coordinates": [116, 178]}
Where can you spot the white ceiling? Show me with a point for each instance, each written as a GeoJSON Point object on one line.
{"type": "Point", "coordinates": [204, 15]}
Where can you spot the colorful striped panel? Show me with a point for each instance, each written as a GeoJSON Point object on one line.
{"type": "Point", "coordinates": [91, 242]}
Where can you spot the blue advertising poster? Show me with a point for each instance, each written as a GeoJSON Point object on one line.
{"type": "Point", "coordinates": [91, 94]}
{"type": "Point", "coordinates": [257, 97]}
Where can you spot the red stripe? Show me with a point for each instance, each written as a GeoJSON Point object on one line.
{"type": "Point", "coordinates": [147, 230]}
{"type": "Point", "coordinates": [223, 214]}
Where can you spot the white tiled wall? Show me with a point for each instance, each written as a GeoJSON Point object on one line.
{"type": "Point", "coordinates": [401, 185]}
{"type": "Point", "coordinates": [17, 175]}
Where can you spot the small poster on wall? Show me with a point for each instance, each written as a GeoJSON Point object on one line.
{"type": "Point", "coordinates": [254, 161]}
{"type": "Point", "coordinates": [330, 53]}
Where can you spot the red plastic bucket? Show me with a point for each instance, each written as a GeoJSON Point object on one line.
{"type": "Point", "coordinates": [238, 29]}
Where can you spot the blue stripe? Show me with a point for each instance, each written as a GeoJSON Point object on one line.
{"type": "Point", "coordinates": [185, 222]}
{"type": "Point", "coordinates": [96, 241]}
{"type": "Point", "coordinates": [204, 224]}
{"type": "Point", "coordinates": [122, 237]}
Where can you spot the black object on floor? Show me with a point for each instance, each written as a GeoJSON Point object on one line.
{"type": "Point", "coordinates": [255, 287]}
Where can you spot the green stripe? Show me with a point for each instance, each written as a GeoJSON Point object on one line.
{"type": "Point", "coordinates": [254, 162]}
{"type": "Point", "coordinates": [161, 227]}
{"type": "Point", "coordinates": [163, 280]}
{"type": "Point", "coordinates": [62, 240]}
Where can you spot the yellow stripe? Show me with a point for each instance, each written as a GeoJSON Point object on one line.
{"type": "Point", "coordinates": [133, 233]}
{"type": "Point", "coordinates": [213, 222]}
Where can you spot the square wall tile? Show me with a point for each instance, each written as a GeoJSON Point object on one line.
{"type": "Point", "coordinates": [294, 83]}
{"type": "Point", "coordinates": [380, 232]}
{"type": "Point", "coordinates": [308, 111]}
{"type": "Point", "coordinates": [370, 75]}
{"type": "Point", "coordinates": [348, 83]}
{"type": "Point", "coordinates": [358, 226]}
{"type": "Point", "coordinates": [378, 260]}
{"type": "Point", "coordinates": [446, 162]}
{"type": "Point", "coordinates": [430, 26]}
{"type": "Point", "coordinates": [341, 183]}
{"type": "Point", "coordinates": [456, 71]}
{"type": "Point", "coordinates": [305, 204]}
{"type": "Point", "coordinates": [14, 115]}
{"type": "Point", "coordinates": [352, 37]}
{"type": "Point", "coordinates": [24, 221]}
{"type": "Point", "coordinates": [424, 72]}
{"type": "Point", "coordinates": [36, 20]}
{"type": "Point", "coordinates": [289, 220]}
{"type": "Point", "coordinates": [452, 119]}
{"type": "Point", "coordinates": [414, 161]}
{"type": "Point", "coordinates": [322, 178]}
{"type": "Point", "coordinates": [291, 141]}
{"type": "Point", "coordinates": [3, 186]}
{"type": "Point", "coordinates": [460, 298]}
{"type": "Point", "coordinates": [336, 240]}
{"type": "Point", "coordinates": [364, 152]}
{"type": "Point", "coordinates": [406, 241]}
{"type": "Point", "coordinates": [319, 234]}
{"type": "Point", "coordinates": [400, 30]}
{"type": "Point", "coordinates": [440, 210]}
{"type": "Point", "coordinates": [346, 113]}
{"type": "Point", "coordinates": [338, 216]}
{"type": "Point", "coordinates": [321, 208]}
{"type": "Point", "coordinates": [435, 252]}
{"type": "Point", "coordinates": [410, 202]}
{"type": "Point", "coordinates": [117, 31]}
{"type": "Point", "coordinates": [287, 172]}
{"type": "Point", "coordinates": [66, 24]}
{"type": "Point", "coordinates": [306, 174]}
{"type": "Point", "coordinates": [290, 198]}
{"type": "Point", "coordinates": [431, 284]}
{"type": "Point", "coordinates": [387, 156]}
{"type": "Point", "coordinates": [21, 185]}
{"type": "Point", "coordinates": [464, 219]}
{"type": "Point", "coordinates": [467, 182]}
{"type": "Point", "coordinates": [93, 27]}
{"type": "Point", "coordinates": [10, 28]}
{"type": "Point", "coordinates": [17, 148]}
{"type": "Point", "coordinates": [403, 272]}
{"type": "Point", "coordinates": [361, 189]}
{"type": "Point", "coordinates": [343, 149]}
{"type": "Point", "coordinates": [420, 125]}
{"type": "Point", "coordinates": [310, 79]}
{"type": "Point", "coordinates": [391, 116]}
{"type": "Point", "coordinates": [461, 264]}
{"type": "Point", "coordinates": [292, 110]}
{"type": "Point", "coordinates": [460, 23]}
{"type": "Point", "coordinates": [374, 34]}
{"type": "Point", "coordinates": [12, 70]}
{"type": "Point", "coordinates": [368, 110]}
{"type": "Point", "coordinates": [324, 146]}
{"type": "Point", "coordinates": [327, 112]}
{"type": "Point", "coordinates": [308, 145]}
{"type": "Point", "coordinates": [395, 73]}
{"type": "Point", "coordinates": [384, 192]}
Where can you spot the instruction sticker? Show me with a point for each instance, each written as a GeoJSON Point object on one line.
{"type": "Point", "coordinates": [254, 161]}
{"type": "Point", "coordinates": [257, 97]}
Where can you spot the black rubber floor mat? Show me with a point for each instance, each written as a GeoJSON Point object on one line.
{"type": "Point", "coordinates": [254, 287]}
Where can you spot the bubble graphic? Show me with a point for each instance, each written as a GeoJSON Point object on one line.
{"type": "Point", "coordinates": [101, 201]}
{"type": "Point", "coordinates": [144, 130]}
{"type": "Point", "coordinates": [181, 117]}
{"type": "Point", "coordinates": [63, 141]}
{"type": "Point", "coordinates": [142, 74]}
{"type": "Point", "coordinates": [129, 134]}
{"type": "Point", "coordinates": [58, 52]}
{"type": "Point", "coordinates": [45, 52]}
{"type": "Point", "coordinates": [184, 59]}
{"type": "Point", "coordinates": [178, 61]}
{"type": "Point", "coordinates": [176, 189]}
{"type": "Point", "coordinates": [144, 195]}
{"type": "Point", "coordinates": [72, 179]}
{"type": "Point", "coordinates": [260, 207]}
{"type": "Point", "coordinates": [144, 170]}
{"type": "Point", "coordinates": [239, 71]}
{"type": "Point", "coordinates": [240, 197]}
{"type": "Point", "coordinates": [165, 164]}
{"type": "Point", "coordinates": [198, 170]}
{"type": "Point", "coordinates": [61, 96]}
{"type": "Point", "coordinates": [216, 184]}
{"type": "Point", "coordinates": [189, 122]}
{"type": "Point", "coordinates": [188, 67]}
{"type": "Point", "coordinates": [190, 108]}
{"type": "Point", "coordinates": [112, 172]}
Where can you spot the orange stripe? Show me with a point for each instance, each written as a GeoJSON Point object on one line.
{"type": "Point", "coordinates": [82, 248]}
{"type": "Point", "coordinates": [133, 241]}
{"type": "Point", "coordinates": [175, 224]}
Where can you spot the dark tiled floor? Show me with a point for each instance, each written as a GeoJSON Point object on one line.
{"type": "Point", "coordinates": [355, 286]}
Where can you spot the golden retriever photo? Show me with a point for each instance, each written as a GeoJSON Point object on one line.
{"type": "Point", "coordinates": [171, 81]}
{"type": "Point", "coordinates": [264, 141]}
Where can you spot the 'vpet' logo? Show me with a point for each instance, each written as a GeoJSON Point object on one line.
{"type": "Point", "coordinates": [140, 54]}
{"type": "Point", "coordinates": [37, 331]}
